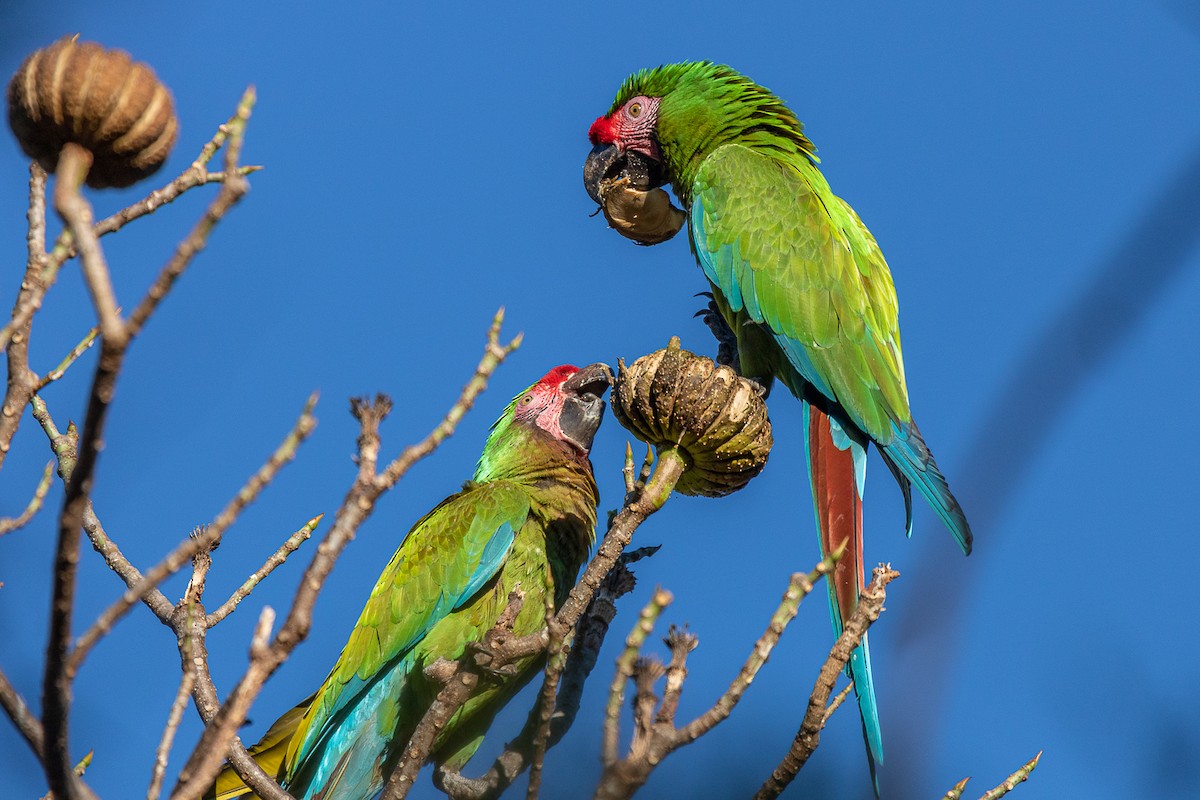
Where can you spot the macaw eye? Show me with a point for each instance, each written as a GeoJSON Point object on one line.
{"type": "Point", "coordinates": [634, 109]}
{"type": "Point", "coordinates": [527, 399]}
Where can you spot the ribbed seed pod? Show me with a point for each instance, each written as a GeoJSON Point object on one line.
{"type": "Point", "coordinates": [99, 99]}
{"type": "Point", "coordinates": [715, 417]}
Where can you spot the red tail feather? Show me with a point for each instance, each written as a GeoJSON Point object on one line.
{"type": "Point", "coordinates": [839, 510]}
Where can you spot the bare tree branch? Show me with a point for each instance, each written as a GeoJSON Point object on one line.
{"type": "Point", "coordinates": [15, 335]}
{"type": "Point", "coordinates": [10, 524]}
{"type": "Point", "coordinates": [17, 710]}
{"type": "Point", "coordinates": [291, 545]}
{"type": "Point", "coordinates": [458, 680]}
{"type": "Point", "coordinates": [63, 445]}
{"type": "Point", "coordinates": [870, 605]}
{"type": "Point", "coordinates": [625, 665]}
{"type": "Point", "coordinates": [581, 659]}
{"type": "Point", "coordinates": [36, 286]}
{"type": "Point", "coordinates": [1010, 783]}
{"type": "Point", "coordinates": [835, 703]}
{"type": "Point", "coordinates": [168, 735]}
{"type": "Point", "coordinates": [556, 652]}
{"type": "Point", "coordinates": [655, 735]}
{"type": "Point", "coordinates": [78, 350]}
{"type": "Point", "coordinates": [73, 165]}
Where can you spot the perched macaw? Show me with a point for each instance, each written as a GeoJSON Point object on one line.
{"type": "Point", "coordinates": [800, 282]}
{"type": "Point", "coordinates": [527, 516]}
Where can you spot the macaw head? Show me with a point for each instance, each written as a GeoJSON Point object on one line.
{"type": "Point", "coordinates": [665, 121]}
{"type": "Point", "coordinates": [625, 146]}
{"type": "Point", "coordinates": [567, 403]}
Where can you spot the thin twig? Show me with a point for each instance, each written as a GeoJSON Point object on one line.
{"type": "Point", "coordinates": [555, 660]}
{"type": "Point", "coordinates": [15, 335]}
{"type": "Point", "coordinates": [306, 423]}
{"type": "Point", "coordinates": [291, 545]}
{"type": "Point", "coordinates": [168, 735]}
{"type": "Point", "coordinates": [63, 445]}
{"type": "Point", "coordinates": [232, 189]}
{"type": "Point", "coordinates": [799, 587]}
{"type": "Point", "coordinates": [80, 768]}
{"type": "Point", "coordinates": [494, 354]}
{"type": "Point", "coordinates": [837, 701]}
{"type": "Point", "coordinates": [68, 360]}
{"type": "Point", "coordinates": [1010, 783]}
{"type": "Point", "coordinates": [10, 524]}
{"type": "Point", "coordinates": [193, 545]}
{"type": "Point", "coordinates": [24, 720]}
{"type": "Point", "coordinates": [956, 792]}
{"type": "Point", "coordinates": [625, 662]}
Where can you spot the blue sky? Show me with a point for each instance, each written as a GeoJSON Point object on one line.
{"type": "Point", "coordinates": [1029, 170]}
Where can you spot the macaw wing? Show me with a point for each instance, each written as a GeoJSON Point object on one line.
{"type": "Point", "coordinates": [775, 240]}
{"type": "Point", "coordinates": [446, 558]}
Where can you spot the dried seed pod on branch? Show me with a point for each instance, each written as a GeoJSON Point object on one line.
{"type": "Point", "coordinates": [81, 93]}
{"type": "Point", "coordinates": [713, 417]}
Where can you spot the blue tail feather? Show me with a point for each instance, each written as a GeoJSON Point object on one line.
{"type": "Point", "coordinates": [908, 455]}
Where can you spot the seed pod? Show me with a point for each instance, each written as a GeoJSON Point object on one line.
{"type": "Point", "coordinates": [715, 417]}
{"type": "Point", "coordinates": [645, 216]}
{"type": "Point", "coordinates": [98, 99]}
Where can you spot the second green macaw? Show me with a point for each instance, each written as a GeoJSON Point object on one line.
{"type": "Point", "coordinates": [528, 517]}
{"type": "Point", "coordinates": [799, 281]}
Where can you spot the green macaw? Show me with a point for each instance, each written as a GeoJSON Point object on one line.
{"type": "Point", "coordinates": [528, 517]}
{"type": "Point", "coordinates": [799, 282]}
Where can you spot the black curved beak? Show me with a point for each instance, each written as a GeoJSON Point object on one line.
{"type": "Point", "coordinates": [583, 409]}
{"type": "Point", "coordinates": [607, 163]}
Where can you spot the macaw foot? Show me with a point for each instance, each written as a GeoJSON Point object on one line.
{"type": "Point", "coordinates": [727, 346]}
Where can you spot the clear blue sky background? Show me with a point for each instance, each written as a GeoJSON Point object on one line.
{"type": "Point", "coordinates": [1031, 171]}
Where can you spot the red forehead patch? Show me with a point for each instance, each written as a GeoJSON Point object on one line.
{"type": "Point", "coordinates": [557, 375]}
{"type": "Point", "coordinates": [602, 131]}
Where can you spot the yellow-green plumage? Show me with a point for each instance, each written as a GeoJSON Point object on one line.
{"type": "Point", "coordinates": [528, 517]}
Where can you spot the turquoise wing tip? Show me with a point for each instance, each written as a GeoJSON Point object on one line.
{"type": "Point", "coordinates": [907, 455]}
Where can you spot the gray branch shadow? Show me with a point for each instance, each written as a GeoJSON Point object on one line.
{"type": "Point", "coordinates": [1040, 389]}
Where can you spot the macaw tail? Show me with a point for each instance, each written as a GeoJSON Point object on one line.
{"type": "Point", "coordinates": [910, 461]}
{"type": "Point", "coordinates": [269, 753]}
{"type": "Point", "coordinates": [837, 466]}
